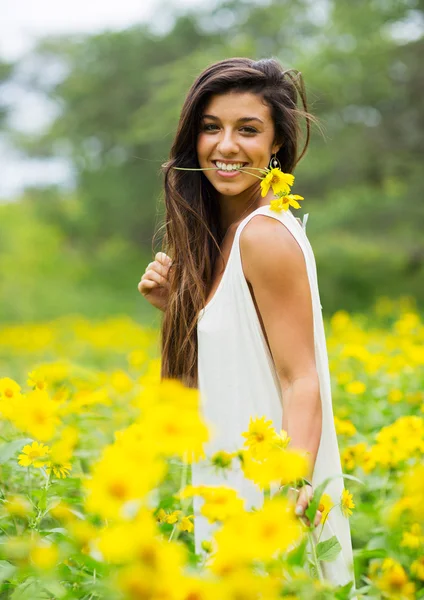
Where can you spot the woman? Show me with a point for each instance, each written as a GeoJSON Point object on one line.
{"type": "Point", "coordinates": [242, 316]}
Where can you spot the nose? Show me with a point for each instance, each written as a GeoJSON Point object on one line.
{"type": "Point", "coordinates": [227, 144]}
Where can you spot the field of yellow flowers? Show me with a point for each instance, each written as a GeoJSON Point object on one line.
{"type": "Point", "coordinates": [95, 454]}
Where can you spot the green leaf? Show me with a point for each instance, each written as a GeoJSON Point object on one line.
{"type": "Point", "coordinates": [343, 592]}
{"type": "Point", "coordinates": [43, 500]}
{"type": "Point", "coordinates": [6, 570]}
{"type": "Point", "coordinates": [370, 553]}
{"type": "Point", "coordinates": [54, 588]}
{"type": "Point", "coordinates": [297, 555]}
{"type": "Point", "coordinates": [329, 549]}
{"type": "Point", "coordinates": [8, 450]}
{"type": "Point", "coordinates": [28, 590]}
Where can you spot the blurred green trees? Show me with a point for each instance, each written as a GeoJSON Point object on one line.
{"type": "Point", "coordinates": [362, 180]}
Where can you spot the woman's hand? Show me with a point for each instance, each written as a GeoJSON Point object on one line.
{"type": "Point", "coordinates": [154, 284]}
{"type": "Point", "coordinates": [304, 496]}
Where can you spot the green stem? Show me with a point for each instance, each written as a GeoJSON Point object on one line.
{"type": "Point", "coordinates": [191, 169]}
{"type": "Point", "coordinates": [184, 473]}
{"type": "Point", "coordinates": [253, 174]}
{"type": "Point", "coordinates": [29, 482]}
{"type": "Point", "coordinates": [172, 532]}
{"type": "Point", "coordinates": [263, 171]}
{"type": "Point", "coordinates": [314, 556]}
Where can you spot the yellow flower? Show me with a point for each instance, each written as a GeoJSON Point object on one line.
{"type": "Point", "coordinates": [186, 524]}
{"type": "Point", "coordinates": [121, 382]}
{"type": "Point", "coordinates": [325, 505]}
{"type": "Point", "coordinates": [417, 568]}
{"type": "Point", "coordinates": [257, 535]}
{"type": "Point", "coordinates": [347, 503]}
{"type": "Point", "coordinates": [175, 430]}
{"type": "Point", "coordinates": [116, 479]}
{"type": "Point", "coordinates": [36, 380]}
{"type": "Point", "coordinates": [393, 580]}
{"type": "Point", "coordinates": [161, 516]}
{"type": "Point", "coordinates": [395, 395]}
{"type": "Point", "coordinates": [413, 538]}
{"type": "Point", "coordinates": [282, 439]}
{"type": "Point", "coordinates": [39, 415]}
{"type": "Point", "coordinates": [351, 456]}
{"type": "Point", "coordinates": [10, 400]}
{"type": "Point", "coordinates": [34, 454]}
{"type": "Point", "coordinates": [207, 546]}
{"type": "Point", "coordinates": [260, 436]}
{"type": "Point", "coordinates": [9, 389]}
{"type": "Point", "coordinates": [284, 202]}
{"type": "Point", "coordinates": [355, 387]}
{"type": "Point", "coordinates": [279, 467]}
{"type": "Point", "coordinates": [63, 512]}
{"type": "Point", "coordinates": [222, 459]}
{"type": "Point", "coordinates": [60, 470]}
{"type": "Point", "coordinates": [279, 181]}
{"type": "Point", "coordinates": [344, 427]}
{"type": "Point", "coordinates": [44, 556]}
{"type": "Point", "coordinates": [62, 449]}
{"type": "Point", "coordinates": [17, 505]}
{"type": "Point", "coordinates": [173, 517]}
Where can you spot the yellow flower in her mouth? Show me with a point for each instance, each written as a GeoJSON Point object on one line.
{"type": "Point", "coordinates": [279, 181]}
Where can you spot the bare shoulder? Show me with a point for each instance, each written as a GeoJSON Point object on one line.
{"type": "Point", "coordinates": [265, 245]}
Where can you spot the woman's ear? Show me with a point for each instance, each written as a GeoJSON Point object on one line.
{"type": "Point", "coordinates": [276, 148]}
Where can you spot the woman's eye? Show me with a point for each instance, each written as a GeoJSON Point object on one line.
{"type": "Point", "coordinates": [213, 127]}
{"type": "Point", "coordinates": [207, 126]}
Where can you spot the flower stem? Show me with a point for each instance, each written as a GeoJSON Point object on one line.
{"type": "Point", "coordinates": [314, 556]}
{"type": "Point", "coordinates": [253, 174]}
{"type": "Point", "coordinates": [191, 169]}
{"type": "Point", "coordinates": [184, 473]}
{"type": "Point", "coordinates": [172, 532]}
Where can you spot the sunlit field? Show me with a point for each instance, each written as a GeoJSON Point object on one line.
{"type": "Point", "coordinates": [95, 454]}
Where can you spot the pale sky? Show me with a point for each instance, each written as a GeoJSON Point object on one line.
{"type": "Point", "coordinates": [22, 22]}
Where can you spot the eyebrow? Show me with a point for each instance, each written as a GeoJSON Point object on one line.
{"type": "Point", "coordinates": [241, 120]}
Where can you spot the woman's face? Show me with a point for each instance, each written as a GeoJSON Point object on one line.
{"type": "Point", "coordinates": [236, 128]}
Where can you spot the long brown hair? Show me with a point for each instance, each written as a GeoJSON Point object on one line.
{"type": "Point", "coordinates": [192, 222]}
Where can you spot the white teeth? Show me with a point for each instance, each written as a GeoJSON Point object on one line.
{"type": "Point", "coordinates": [228, 166]}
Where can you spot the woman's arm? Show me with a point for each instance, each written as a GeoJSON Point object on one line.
{"type": "Point", "coordinates": [274, 265]}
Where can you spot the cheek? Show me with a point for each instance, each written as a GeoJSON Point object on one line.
{"type": "Point", "coordinates": [204, 147]}
{"type": "Point", "coordinates": [258, 149]}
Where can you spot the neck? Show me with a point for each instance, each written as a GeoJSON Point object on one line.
{"type": "Point", "coordinates": [233, 209]}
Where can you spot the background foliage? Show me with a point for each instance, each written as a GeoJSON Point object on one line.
{"type": "Point", "coordinates": [118, 102]}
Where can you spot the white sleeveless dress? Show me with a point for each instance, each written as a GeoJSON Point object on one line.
{"type": "Point", "coordinates": [237, 380]}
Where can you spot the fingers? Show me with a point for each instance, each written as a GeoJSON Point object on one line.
{"type": "Point", "coordinates": [156, 273]}
{"type": "Point", "coordinates": [163, 258]}
{"type": "Point", "coordinates": [305, 496]}
{"type": "Point", "coordinates": [318, 517]}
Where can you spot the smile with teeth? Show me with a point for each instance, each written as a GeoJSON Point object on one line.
{"type": "Point", "coordinates": [229, 166]}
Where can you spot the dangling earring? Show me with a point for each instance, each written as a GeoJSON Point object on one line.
{"type": "Point", "coordinates": [274, 162]}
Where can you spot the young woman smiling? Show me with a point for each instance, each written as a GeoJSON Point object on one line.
{"type": "Point", "coordinates": [242, 315]}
